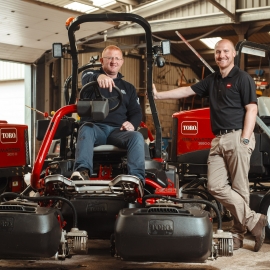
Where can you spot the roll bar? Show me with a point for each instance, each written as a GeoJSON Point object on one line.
{"type": "Point", "coordinates": [74, 26]}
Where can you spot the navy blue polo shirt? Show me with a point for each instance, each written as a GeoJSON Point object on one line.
{"type": "Point", "coordinates": [227, 97]}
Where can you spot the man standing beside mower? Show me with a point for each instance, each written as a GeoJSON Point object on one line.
{"type": "Point", "coordinates": [233, 111]}
{"type": "Point", "coordinates": [119, 127]}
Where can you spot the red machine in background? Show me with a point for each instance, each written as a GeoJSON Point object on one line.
{"type": "Point", "coordinates": [190, 144]}
{"type": "Point", "coordinates": [14, 157]}
{"type": "Point", "coordinates": [193, 131]}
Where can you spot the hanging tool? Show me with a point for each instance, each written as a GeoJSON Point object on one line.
{"type": "Point", "coordinates": [181, 74]}
{"type": "Point", "coordinates": [45, 114]}
{"type": "Point", "coordinates": [197, 54]}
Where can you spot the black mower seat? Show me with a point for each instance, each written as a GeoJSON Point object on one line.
{"type": "Point", "coordinates": [108, 148]}
{"type": "Point", "coordinates": [108, 154]}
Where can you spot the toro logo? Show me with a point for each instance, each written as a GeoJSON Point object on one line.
{"type": "Point", "coordinates": [95, 207]}
{"type": "Point", "coordinates": [160, 227]}
{"type": "Point", "coordinates": [8, 135]}
{"type": "Point", "coordinates": [6, 224]}
{"type": "Point", "coordinates": [189, 127]}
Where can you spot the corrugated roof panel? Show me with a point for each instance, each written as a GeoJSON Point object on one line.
{"type": "Point", "coordinates": [192, 9]}
{"type": "Point", "coordinates": [241, 4]}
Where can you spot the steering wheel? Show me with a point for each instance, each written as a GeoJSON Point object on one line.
{"type": "Point", "coordinates": [93, 87]}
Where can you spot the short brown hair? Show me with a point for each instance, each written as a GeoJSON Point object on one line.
{"type": "Point", "coordinates": [112, 47]}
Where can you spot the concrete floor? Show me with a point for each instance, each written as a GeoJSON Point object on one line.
{"type": "Point", "coordinates": [99, 258]}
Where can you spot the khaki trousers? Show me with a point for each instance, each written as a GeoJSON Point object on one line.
{"type": "Point", "coordinates": [228, 167]}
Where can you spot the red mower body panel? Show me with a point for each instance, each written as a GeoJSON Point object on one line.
{"type": "Point", "coordinates": [14, 147]}
{"type": "Point", "coordinates": [193, 130]}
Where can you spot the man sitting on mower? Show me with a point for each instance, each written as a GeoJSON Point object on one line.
{"type": "Point", "coordinates": [119, 127]}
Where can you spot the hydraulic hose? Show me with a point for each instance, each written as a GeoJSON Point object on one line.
{"type": "Point", "coordinates": [38, 199]}
{"type": "Point", "coordinates": [195, 192]}
{"type": "Point", "coordinates": [198, 192]}
{"type": "Point", "coordinates": [219, 219]}
{"type": "Point", "coordinates": [195, 183]}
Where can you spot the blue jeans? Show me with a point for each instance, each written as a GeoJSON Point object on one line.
{"type": "Point", "coordinates": [91, 135]}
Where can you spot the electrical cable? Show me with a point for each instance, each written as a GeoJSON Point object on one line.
{"type": "Point", "coordinates": [38, 199]}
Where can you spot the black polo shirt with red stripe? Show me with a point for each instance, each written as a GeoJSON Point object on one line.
{"type": "Point", "coordinates": [227, 97]}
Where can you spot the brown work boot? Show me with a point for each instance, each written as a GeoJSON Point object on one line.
{"type": "Point", "coordinates": [237, 243]}
{"type": "Point", "coordinates": [259, 232]}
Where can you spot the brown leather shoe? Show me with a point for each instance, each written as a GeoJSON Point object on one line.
{"type": "Point", "coordinates": [237, 243]}
{"type": "Point", "coordinates": [259, 232]}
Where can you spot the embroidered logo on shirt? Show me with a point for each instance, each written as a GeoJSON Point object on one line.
{"type": "Point", "coordinates": [229, 85]}
{"type": "Point", "coordinates": [123, 91]}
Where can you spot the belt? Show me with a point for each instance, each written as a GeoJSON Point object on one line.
{"type": "Point", "coordinates": [225, 131]}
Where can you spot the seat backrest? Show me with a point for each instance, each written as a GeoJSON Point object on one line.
{"type": "Point", "coordinates": [65, 128]}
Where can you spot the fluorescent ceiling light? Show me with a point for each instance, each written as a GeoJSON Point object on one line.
{"type": "Point", "coordinates": [89, 8]}
{"type": "Point", "coordinates": [103, 3]}
{"type": "Point", "coordinates": [80, 7]}
{"type": "Point", "coordinates": [210, 42]}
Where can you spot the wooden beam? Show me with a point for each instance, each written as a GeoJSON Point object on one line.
{"type": "Point", "coordinates": [223, 9]}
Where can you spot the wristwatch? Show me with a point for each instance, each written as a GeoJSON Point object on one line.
{"type": "Point", "coordinates": [245, 141]}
